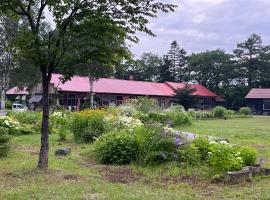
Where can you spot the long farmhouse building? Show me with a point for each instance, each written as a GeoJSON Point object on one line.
{"type": "Point", "coordinates": [108, 91]}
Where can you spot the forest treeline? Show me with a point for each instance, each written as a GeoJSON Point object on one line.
{"type": "Point", "coordinates": [229, 75]}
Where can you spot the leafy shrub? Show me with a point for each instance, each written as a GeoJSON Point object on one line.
{"type": "Point", "coordinates": [121, 122]}
{"type": "Point", "coordinates": [203, 146]}
{"type": "Point", "coordinates": [128, 110]}
{"type": "Point", "coordinates": [201, 114]}
{"type": "Point", "coordinates": [4, 142]}
{"type": "Point", "coordinates": [27, 117]}
{"type": "Point", "coordinates": [219, 111]}
{"type": "Point", "coordinates": [116, 148]}
{"type": "Point", "coordinates": [143, 104]}
{"type": "Point", "coordinates": [176, 108]}
{"type": "Point", "coordinates": [189, 155]}
{"type": "Point", "coordinates": [154, 145]}
{"type": "Point", "coordinates": [179, 118]}
{"type": "Point", "coordinates": [8, 104]}
{"type": "Point", "coordinates": [249, 155]}
{"type": "Point", "coordinates": [11, 125]}
{"type": "Point", "coordinates": [223, 158]}
{"type": "Point", "coordinates": [157, 117]}
{"type": "Point", "coordinates": [245, 111]}
{"type": "Point", "coordinates": [62, 133]}
{"type": "Point", "coordinates": [87, 125]}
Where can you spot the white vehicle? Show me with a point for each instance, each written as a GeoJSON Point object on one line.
{"type": "Point", "coordinates": [17, 107]}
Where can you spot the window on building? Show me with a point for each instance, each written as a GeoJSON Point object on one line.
{"type": "Point", "coordinates": [266, 106]}
{"type": "Point", "coordinates": [68, 99]}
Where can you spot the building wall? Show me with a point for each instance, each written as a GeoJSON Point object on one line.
{"type": "Point", "coordinates": [259, 106]}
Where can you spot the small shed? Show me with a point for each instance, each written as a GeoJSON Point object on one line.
{"type": "Point", "coordinates": [258, 99]}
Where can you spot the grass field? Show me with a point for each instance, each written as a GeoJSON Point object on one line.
{"type": "Point", "coordinates": [80, 177]}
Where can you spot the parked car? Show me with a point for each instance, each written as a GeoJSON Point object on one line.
{"type": "Point", "coordinates": [17, 107]}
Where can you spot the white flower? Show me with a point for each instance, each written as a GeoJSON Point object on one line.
{"type": "Point", "coordinates": [213, 142]}
{"type": "Point", "coordinates": [223, 142]}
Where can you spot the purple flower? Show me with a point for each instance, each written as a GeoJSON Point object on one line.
{"type": "Point", "coordinates": [177, 142]}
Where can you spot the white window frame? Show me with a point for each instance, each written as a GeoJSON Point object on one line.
{"type": "Point", "coordinates": [264, 105]}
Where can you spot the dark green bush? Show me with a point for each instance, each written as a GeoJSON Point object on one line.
{"type": "Point", "coordinates": [219, 111]}
{"type": "Point", "coordinates": [8, 104]}
{"type": "Point", "coordinates": [116, 148]}
{"type": "Point", "coordinates": [4, 142]}
{"type": "Point", "coordinates": [245, 111]}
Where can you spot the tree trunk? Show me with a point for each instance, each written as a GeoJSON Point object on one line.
{"type": "Point", "coordinates": [44, 149]}
{"type": "Point", "coordinates": [2, 97]}
{"type": "Point", "coordinates": [91, 83]}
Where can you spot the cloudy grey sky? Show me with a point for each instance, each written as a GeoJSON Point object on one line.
{"type": "Point", "coordinates": [207, 24]}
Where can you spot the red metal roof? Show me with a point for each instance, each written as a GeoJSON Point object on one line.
{"type": "Point", "coordinates": [200, 89]}
{"type": "Point", "coordinates": [258, 93]}
{"type": "Point", "coordinates": [17, 91]}
{"type": "Point", "coordinates": [117, 86]}
{"type": "Point", "coordinates": [113, 86]}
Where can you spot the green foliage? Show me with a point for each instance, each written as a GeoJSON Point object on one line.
{"type": "Point", "coordinates": [223, 158]}
{"type": "Point", "coordinates": [143, 104]}
{"type": "Point", "coordinates": [219, 111]}
{"type": "Point", "coordinates": [8, 104]}
{"type": "Point", "coordinates": [189, 155]}
{"type": "Point", "coordinates": [211, 68]}
{"type": "Point", "coordinates": [86, 127]}
{"type": "Point", "coordinates": [116, 148]}
{"type": "Point", "coordinates": [201, 114]}
{"type": "Point", "coordinates": [4, 142]}
{"type": "Point", "coordinates": [30, 121]}
{"type": "Point", "coordinates": [203, 146]}
{"type": "Point", "coordinates": [155, 147]}
{"type": "Point", "coordinates": [62, 133]}
{"type": "Point", "coordinates": [179, 118]}
{"type": "Point", "coordinates": [245, 111]}
{"type": "Point", "coordinates": [249, 155]}
{"type": "Point", "coordinates": [186, 97]}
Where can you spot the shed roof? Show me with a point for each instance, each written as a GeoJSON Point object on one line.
{"type": "Point", "coordinates": [113, 86]}
{"type": "Point", "coordinates": [200, 89]}
{"type": "Point", "coordinates": [258, 93]}
{"type": "Point", "coordinates": [17, 91]}
{"type": "Point", "coordinates": [117, 86]}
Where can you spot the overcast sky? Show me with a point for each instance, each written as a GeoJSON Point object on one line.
{"type": "Point", "coordinates": [200, 25]}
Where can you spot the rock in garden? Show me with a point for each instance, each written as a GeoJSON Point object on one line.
{"type": "Point", "coordinates": [62, 151]}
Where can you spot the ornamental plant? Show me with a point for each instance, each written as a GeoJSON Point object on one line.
{"type": "Point", "coordinates": [249, 155]}
{"type": "Point", "coordinates": [116, 148]}
{"type": "Point", "coordinates": [4, 142]}
{"type": "Point", "coordinates": [224, 157]}
{"type": "Point", "coordinates": [245, 111]}
{"type": "Point", "coordinates": [123, 122]}
{"type": "Point", "coordinates": [219, 111]}
{"type": "Point", "coordinates": [11, 125]}
{"type": "Point", "coordinates": [87, 125]}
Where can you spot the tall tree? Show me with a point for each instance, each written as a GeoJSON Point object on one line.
{"type": "Point", "coordinates": [213, 69]}
{"type": "Point", "coordinates": [164, 70]}
{"type": "Point", "coordinates": [47, 45]}
{"type": "Point", "coordinates": [247, 54]}
{"type": "Point", "coordinates": [186, 97]}
{"type": "Point", "coordinates": [8, 30]}
{"type": "Point", "coordinates": [177, 57]}
{"type": "Point", "coordinates": [148, 66]}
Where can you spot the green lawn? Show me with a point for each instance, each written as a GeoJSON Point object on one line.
{"type": "Point", "coordinates": [79, 177]}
